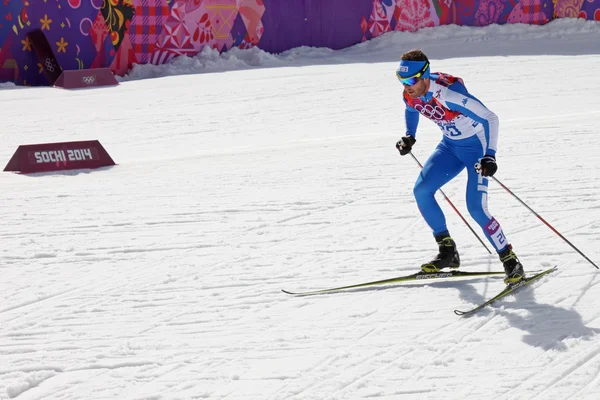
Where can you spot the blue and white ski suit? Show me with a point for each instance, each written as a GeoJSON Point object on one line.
{"type": "Point", "coordinates": [470, 131]}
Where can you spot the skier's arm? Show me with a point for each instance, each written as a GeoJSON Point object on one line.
{"type": "Point", "coordinates": [412, 121]}
{"type": "Point", "coordinates": [458, 99]}
{"type": "Point", "coordinates": [405, 144]}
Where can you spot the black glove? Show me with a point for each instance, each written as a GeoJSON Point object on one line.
{"type": "Point", "coordinates": [405, 144]}
{"type": "Point", "coordinates": [487, 165]}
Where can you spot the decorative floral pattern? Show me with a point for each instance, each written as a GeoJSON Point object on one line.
{"type": "Point", "coordinates": [568, 8]}
{"type": "Point", "coordinates": [413, 15]}
{"type": "Point", "coordinates": [464, 12]}
{"type": "Point", "coordinates": [146, 27]}
{"type": "Point", "coordinates": [590, 9]}
{"type": "Point", "coordinates": [379, 22]}
{"type": "Point", "coordinates": [117, 16]}
{"type": "Point", "coordinates": [488, 12]}
{"type": "Point", "coordinates": [222, 16]}
{"type": "Point", "coordinates": [252, 12]}
{"type": "Point", "coordinates": [533, 12]}
{"type": "Point", "coordinates": [444, 9]}
{"type": "Point", "coordinates": [118, 33]}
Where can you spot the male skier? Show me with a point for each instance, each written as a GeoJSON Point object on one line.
{"type": "Point", "coordinates": [470, 137]}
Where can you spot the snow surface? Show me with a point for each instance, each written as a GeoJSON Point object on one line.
{"type": "Point", "coordinates": [160, 278]}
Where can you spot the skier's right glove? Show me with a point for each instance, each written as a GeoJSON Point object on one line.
{"type": "Point", "coordinates": [405, 144]}
{"type": "Point", "coordinates": [487, 165]}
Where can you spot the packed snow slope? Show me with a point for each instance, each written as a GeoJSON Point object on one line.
{"type": "Point", "coordinates": [245, 173]}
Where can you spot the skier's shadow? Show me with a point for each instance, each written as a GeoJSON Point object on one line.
{"type": "Point", "coordinates": [546, 325]}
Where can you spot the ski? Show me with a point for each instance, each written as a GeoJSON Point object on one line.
{"type": "Point", "coordinates": [508, 290]}
{"type": "Point", "coordinates": [400, 279]}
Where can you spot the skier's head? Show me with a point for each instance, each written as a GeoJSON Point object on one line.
{"type": "Point", "coordinates": [413, 73]}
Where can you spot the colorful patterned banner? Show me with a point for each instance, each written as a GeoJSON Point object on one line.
{"type": "Point", "coordinates": [117, 33]}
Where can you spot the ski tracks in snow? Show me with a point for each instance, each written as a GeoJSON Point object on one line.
{"type": "Point", "coordinates": [162, 281]}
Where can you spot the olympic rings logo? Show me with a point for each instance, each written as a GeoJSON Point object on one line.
{"type": "Point", "coordinates": [49, 64]}
{"type": "Point", "coordinates": [88, 80]}
{"type": "Point", "coordinates": [432, 112]}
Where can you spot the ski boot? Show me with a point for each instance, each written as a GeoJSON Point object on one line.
{"type": "Point", "coordinates": [512, 266]}
{"type": "Point", "coordinates": [446, 258]}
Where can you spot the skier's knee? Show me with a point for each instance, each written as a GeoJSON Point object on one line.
{"type": "Point", "coordinates": [477, 211]}
{"type": "Point", "coordinates": [422, 191]}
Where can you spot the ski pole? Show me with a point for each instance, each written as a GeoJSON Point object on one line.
{"type": "Point", "coordinates": [544, 221]}
{"type": "Point", "coordinates": [454, 208]}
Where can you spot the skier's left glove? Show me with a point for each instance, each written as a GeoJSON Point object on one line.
{"type": "Point", "coordinates": [487, 165]}
{"type": "Point", "coordinates": [405, 144]}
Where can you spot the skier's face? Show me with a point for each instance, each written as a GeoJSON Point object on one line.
{"type": "Point", "coordinates": [418, 89]}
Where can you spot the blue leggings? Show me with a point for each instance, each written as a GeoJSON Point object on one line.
{"type": "Point", "coordinates": [448, 159]}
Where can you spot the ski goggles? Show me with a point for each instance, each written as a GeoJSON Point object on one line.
{"type": "Point", "coordinates": [411, 80]}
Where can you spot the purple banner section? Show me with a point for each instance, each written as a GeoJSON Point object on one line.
{"type": "Point", "coordinates": [334, 23]}
{"type": "Point", "coordinates": [115, 34]}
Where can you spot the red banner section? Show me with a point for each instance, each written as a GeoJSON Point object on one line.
{"type": "Point", "coordinates": [83, 78]}
{"type": "Point", "coordinates": [50, 157]}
